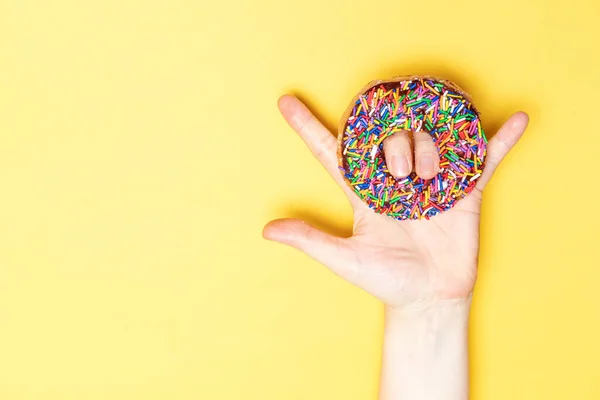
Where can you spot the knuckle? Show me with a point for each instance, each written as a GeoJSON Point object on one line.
{"type": "Point", "coordinates": [303, 123]}
{"type": "Point", "coordinates": [325, 144]}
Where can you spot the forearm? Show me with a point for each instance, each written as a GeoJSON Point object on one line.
{"type": "Point", "coordinates": [425, 352]}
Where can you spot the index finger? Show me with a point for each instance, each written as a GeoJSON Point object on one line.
{"type": "Point", "coordinates": [318, 139]}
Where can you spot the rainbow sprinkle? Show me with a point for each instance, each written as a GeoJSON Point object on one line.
{"type": "Point", "coordinates": [413, 104]}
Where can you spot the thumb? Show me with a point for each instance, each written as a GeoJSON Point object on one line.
{"type": "Point", "coordinates": [332, 251]}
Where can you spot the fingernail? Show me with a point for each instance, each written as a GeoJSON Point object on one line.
{"type": "Point", "coordinates": [426, 163]}
{"type": "Point", "coordinates": [400, 166]}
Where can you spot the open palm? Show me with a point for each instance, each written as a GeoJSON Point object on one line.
{"type": "Point", "coordinates": [403, 263]}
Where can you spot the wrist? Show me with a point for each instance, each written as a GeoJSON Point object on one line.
{"type": "Point", "coordinates": [425, 351]}
{"type": "Point", "coordinates": [438, 312]}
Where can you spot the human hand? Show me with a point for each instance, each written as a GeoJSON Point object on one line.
{"type": "Point", "coordinates": [405, 264]}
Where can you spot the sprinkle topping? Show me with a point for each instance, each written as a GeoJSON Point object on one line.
{"type": "Point", "coordinates": [414, 104]}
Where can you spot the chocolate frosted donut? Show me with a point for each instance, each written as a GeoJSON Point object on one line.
{"type": "Point", "coordinates": [415, 103]}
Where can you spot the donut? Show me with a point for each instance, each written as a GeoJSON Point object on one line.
{"type": "Point", "coordinates": [413, 103]}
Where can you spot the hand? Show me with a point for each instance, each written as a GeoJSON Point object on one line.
{"type": "Point", "coordinates": [405, 264]}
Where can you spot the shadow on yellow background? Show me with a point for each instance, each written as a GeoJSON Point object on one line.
{"type": "Point", "coordinates": [141, 152]}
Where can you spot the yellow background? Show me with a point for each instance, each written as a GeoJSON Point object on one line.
{"type": "Point", "coordinates": [141, 152]}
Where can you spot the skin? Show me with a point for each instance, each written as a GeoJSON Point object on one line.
{"type": "Point", "coordinates": [423, 271]}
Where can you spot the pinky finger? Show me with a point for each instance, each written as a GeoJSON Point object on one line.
{"type": "Point", "coordinates": [499, 146]}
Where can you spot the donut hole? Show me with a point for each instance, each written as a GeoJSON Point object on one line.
{"type": "Point", "coordinates": [403, 142]}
